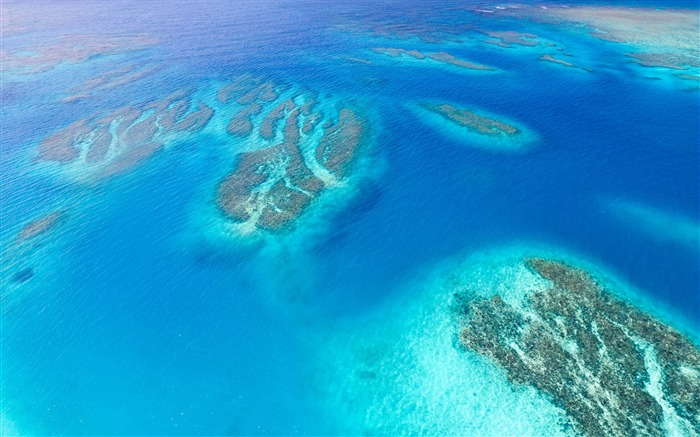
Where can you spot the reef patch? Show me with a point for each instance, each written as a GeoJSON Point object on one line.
{"type": "Point", "coordinates": [98, 147]}
{"type": "Point", "coordinates": [41, 225]}
{"type": "Point", "coordinates": [552, 59]}
{"type": "Point", "coordinates": [473, 121]}
{"type": "Point", "coordinates": [443, 58]}
{"type": "Point", "coordinates": [109, 80]}
{"type": "Point", "coordinates": [664, 38]}
{"type": "Point", "coordinates": [69, 49]}
{"type": "Point", "coordinates": [271, 186]}
{"type": "Point", "coordinates": [509, 38]}
{"type": "Point", "coordinates": [614, 369]}
{"type": "Point", "coordinates": [475, 127]}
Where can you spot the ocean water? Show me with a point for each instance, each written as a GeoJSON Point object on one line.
{"type": "Point", "coordinates": [145, 315]}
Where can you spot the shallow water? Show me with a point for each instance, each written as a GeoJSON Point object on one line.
{"type": "Point", "coordinates": [145, 316]}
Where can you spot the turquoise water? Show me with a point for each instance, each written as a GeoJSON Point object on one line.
{"type": "Point", "coordinates": [146, 314]}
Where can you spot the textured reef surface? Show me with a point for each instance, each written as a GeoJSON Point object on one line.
{"type": "Point", "coordinates": [441, 58]}
{"type": "Point", "coordinates": [552, 59]}
{"type": "Point", "coordinates": [68, 50]}
{"type": "Point", "coordinates": [475, 127]}
{"type": "Point", "coordinates": [614, 369]}
{"type": "Point", "coordinates": [664, 37]}
{"type": "Point", "coordinates": [108, 80]}
{"type": "Point", "coordinates": [509, 38]}
{"type": "Point", "coordinates": [41, 226]}
{"type": "Point", "coordinates": [271, 186]}
{"type": "Point", "coordinates": [473, 121]}
{"type": "Point", "coordinates": [101, 146]}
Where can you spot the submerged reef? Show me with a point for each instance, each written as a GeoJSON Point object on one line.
{"type": "Point", "coordinates": [23, 275]}
{"type": "Point", "coordinates": [664, 37]}
{"type": "Point", "coordinates": [33, 236]}
{"type": "Point", "coordinates": [68, 49]}
{"type": "Point", "coordinates": [509, 38]}
{"type": "Point", "coordinates": [109, 80]}
{"type": "Point", "coordinates": [271, 186]}
{"type": "Point", "coordinates": [472, 121]}
{"type": "Point", "coordinates": [102, 146]}
{"type": "Point", "coordinates": [41, 225]}
{"type": "Point", "coordinates": [552, 59]}
{"type": "Point", "coordinates": [674, 61]}
{"type": "Point", "coordinates": [440, 57]}
{"type": "Point", "coordinates": [616, 370]}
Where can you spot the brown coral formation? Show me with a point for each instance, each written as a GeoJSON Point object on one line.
{"type": "Point", "coordinates": [665, 37]}
{"type": "Point", "coordinates": [688, 77]}
{"type": "Point", "coordinates": [552, 59]}
{"type": "Point", "coordinates": [341, 142]}
{"type": "Point", "coordinates": [270, 122]}
{"type": "Point", "coordinates": [109, 80]}
{"type": "Point", "coordinates": [71, 49]}
{"type": "Point", "coordinates": [674, 61]}
{"type": "Point", "coordinates": [289, 184]}
{"type": "Point", "coordinates": [510, 38]}
{"type": "Point", "coordinates": [238, 87]}
{"type": "Point", "coordinates": [118, 141]}
{"type": "Point", "coordinates": [41, 225]}
{"type": "Point", "coordinates": [270, 188]}
{"type": "Point", "coordinates": [472, 121]}
{"type": "Point", "coordinates": [614, 369]}
{"type": "Point", "coordinates": [440, 57]}
{"type": "Point", "coordinates": [241, 124]}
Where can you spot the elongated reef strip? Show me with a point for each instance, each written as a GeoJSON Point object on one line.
{"type": "Point", "coordinates": [41, 225]}
{"type": "Point", "coordinates": [615, 369]}
{"type": "Point", "coordinates": [473, 121]}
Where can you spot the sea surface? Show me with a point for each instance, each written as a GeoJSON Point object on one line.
{"type": "Point", "coordinates": [143, 318]}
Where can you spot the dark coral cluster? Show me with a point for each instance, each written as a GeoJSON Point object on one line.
{"type": "Point", "coordinates": [69, 49]}
{"type": "Point", "coordinates": [114, 143]}
{"type": "Point", "coordinates": [272, 186]}
{"type": "Point", "coordinates": [441, 57]}
{"type": "Point", "coordinates": [674, 61]}
{"type": "Point", "coordinates": [31, 237]}
{"type": "Point", "coordinates": [41, 225]}
{"type": "Point", "coordinates": [614, 369]}
{"type": "Point", "coordinates": [109, 80]}
{"type": "Point", "coordinates": [472, 121]}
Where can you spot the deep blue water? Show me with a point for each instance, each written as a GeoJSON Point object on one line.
{"type": "Point", "coordinates": [133, 325]}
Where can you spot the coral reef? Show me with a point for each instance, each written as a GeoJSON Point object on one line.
{"type": "Point", "coordinates": [440, 57]}
{"type": "Point", "coordinates": [23, 275]}
{"type": "Point", "coordinates": [665, 37]}
{"type": "Point", "coordinates": [614, 369]}
{"type": "Point", "coordinates": [674, 61]}
{"type": "Point", "coordinates": [114, 143]}
{"type": "Point", "coordinates": [341, 142]}
{"type": "Point", "coordinates": [70, 49]}
{"type": "Point", "coordinates": [109, 80]}
{"type": "Point", "coordinates": [241, 124]}
{"type": "Point", "coordinates": [41, 226]}
{"type": "Point", "coordinates": [272, 186]}
{"type": "Point", "coordinates": [510, 38]}
{"type": "Point", "coordinates": [472, 121]}
{"type": "Point", "coordinates": [552, 59]}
